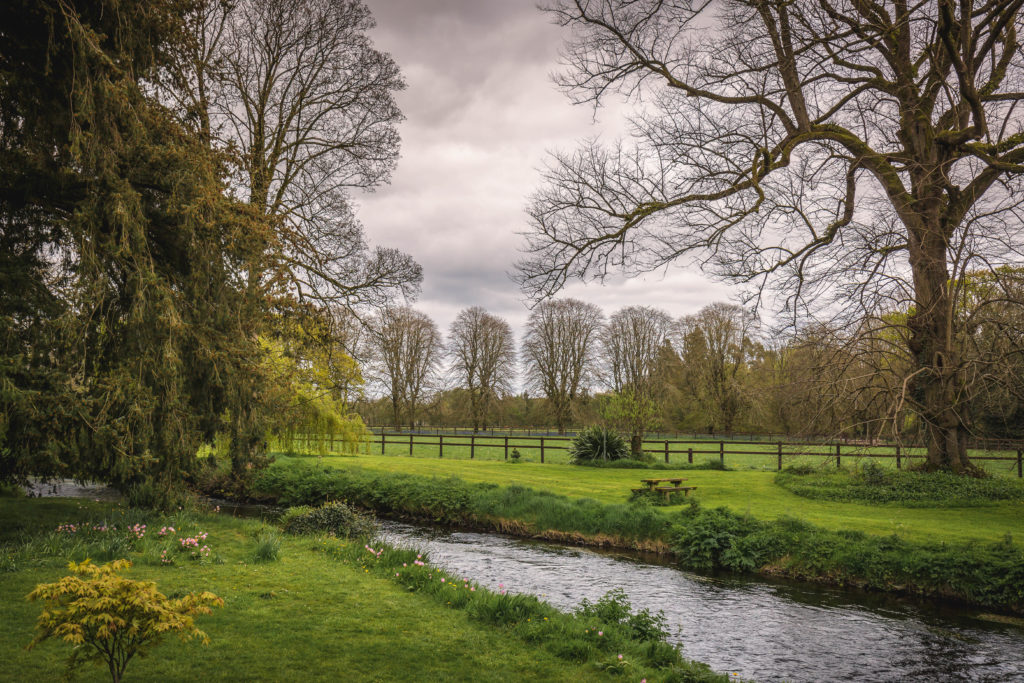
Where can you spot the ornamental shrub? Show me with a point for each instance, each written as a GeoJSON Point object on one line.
{"type": "Point", "coordinates": [334, 518]}
{"type": "Point", "coordinates": [598, 444]}
{"type": "Point", "coordinates": [110, 619]}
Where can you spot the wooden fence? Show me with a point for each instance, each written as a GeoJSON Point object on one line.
{"type": "Point", "coordinates": [668, 447]}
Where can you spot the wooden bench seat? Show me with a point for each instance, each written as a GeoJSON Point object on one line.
{"type": "Point", "coordinates": [667, 490]}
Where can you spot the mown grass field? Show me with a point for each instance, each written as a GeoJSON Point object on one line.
{"type": "Point", "coordinates": [744, 491]}
{"type": "Point", "coordinates": [304, 617]}
{"type": "Point", "coordinates": [738, 454]}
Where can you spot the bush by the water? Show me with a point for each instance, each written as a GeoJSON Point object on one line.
{"type": "Point", "coordinates": [987, 574]}
{"type": "Point", "coordinates": [873, 483]}
{"type": "Point", "coordinates": [598, 444]}
{"type": "Point", "coordinates": [334, 517]}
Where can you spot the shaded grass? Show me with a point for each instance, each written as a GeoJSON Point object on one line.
{"type": "Point", "coordinates": [315, 614]}
{"type": "Point", "coordinates": [873, 484]}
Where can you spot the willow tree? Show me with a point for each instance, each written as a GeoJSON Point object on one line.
{"type": "Point", "coordinates": [845, 156]}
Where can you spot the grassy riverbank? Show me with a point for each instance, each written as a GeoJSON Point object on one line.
{"type": "Point", "coordinates": [983, 572]}
{"type": "Point", "coordinates": [324, 609]}
{"type": "Point", "coordinates": [745, 492]}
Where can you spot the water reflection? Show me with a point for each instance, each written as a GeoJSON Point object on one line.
{"type": "Point", "coordinates": [764, 631]}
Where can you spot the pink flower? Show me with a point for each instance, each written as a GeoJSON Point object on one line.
{"type": "Point", "coordinates": [600, 633]}
{"type": "Point", "coordinates": [620, 657]}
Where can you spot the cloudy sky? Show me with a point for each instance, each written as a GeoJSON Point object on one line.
{"type": "Point", "coordinates": [481, 114]}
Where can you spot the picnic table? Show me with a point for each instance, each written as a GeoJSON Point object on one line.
{"type": "Point", "coordinates": [675, 486]}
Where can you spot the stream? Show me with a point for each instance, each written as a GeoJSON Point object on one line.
{"type": "Point", "coordinates": [759, 629]}
{"type": "Point", "coordinates": [764, 631]}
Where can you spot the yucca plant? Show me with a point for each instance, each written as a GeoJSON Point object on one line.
{"type": "Point", "coordinates": [598, 443]}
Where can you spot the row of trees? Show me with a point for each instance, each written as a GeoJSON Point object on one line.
{"type": "Point", "coordinates": [176, 227]}
{"type": "Point", "coordinates": [717, 371]}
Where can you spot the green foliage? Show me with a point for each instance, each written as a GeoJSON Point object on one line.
{"type": "Point", "coordinates": [614, 608]}
{"type": "Point", "coordinates": [125, 320]}
{"type": "Point", "coordinates": [313, 390]}
{"type": "Point", "coordinates": [268, 546]}
{"type": "Point", "coordinates": [986, 574]}
{"type": "Point", "coordinates": [595, 632]}
{"type": "Point", "coordinates": [598, 443]}
{"type": "Point", "coordinates": [335, 518]}
{"type": "Point", "coordinates": [873, 483]}
{"type": "Point", "coordinates": [110, 619]}
{"type": "Point", "coordinates": [455, 501]}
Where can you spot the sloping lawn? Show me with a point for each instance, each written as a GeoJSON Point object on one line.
{"type": "Point", "coordinates": [742, 491]}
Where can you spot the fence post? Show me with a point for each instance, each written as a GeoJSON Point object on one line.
{"type": "Point", "coordinates": [780, 456]}
{"type": "Point", "coordinates": [410, 443]}
{"type": "Point", "coordinates": [721, 452]}
{"type": "Point", "coordinates": [383, 439]}
{"type": "Point", "coordinates": [440, 445]}
{"type": "Point", "coordinates": [1020, 470]}
{"type": "Point", "coordinates": [472, 445]}
{"type": "Point", "coordinates": [666, 452]}
{"type": "Point", "coordinates": [899, 465]}
{"type": "Point", "coordinates": [838, 456]}
{"type": "Point", "coordinates": [689, 455]}
{"type": "Point", "coordinates": [542, 450]}
{"type": "Point", "coordinates": [506, 448]}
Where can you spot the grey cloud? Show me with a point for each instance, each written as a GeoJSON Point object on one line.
{"type": "Point", "coordinates": [481, 113]}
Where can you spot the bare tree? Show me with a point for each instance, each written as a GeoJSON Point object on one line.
{"type": "Point", "coordinates": [560, 352]}
{"type": "Point", "coordinates": [633, 342]}
{"type": "Point", "coordinates": [407, 350]}
{"type": "Point", "coordinates": [717, 342]}
{"type": "Point", "coordinates": [296, 92]}
{"type": "Point", "coordinates": [483, 354]}
{"type": "Point", "coordinates": [825, 150]}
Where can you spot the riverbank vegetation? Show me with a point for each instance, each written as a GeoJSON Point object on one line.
{"type": "Point", "coordinates": [743, 491]}
{"type": "Point", "coordinates": [987, 573]}
{"type": "Point", "coordinates": [327, 607]}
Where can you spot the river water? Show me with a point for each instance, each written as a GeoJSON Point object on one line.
{"type": "Point", "coordinates": [760, 630]}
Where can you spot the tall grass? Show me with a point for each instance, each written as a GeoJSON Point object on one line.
{"type": "Point", "coordinates": [451, 500]}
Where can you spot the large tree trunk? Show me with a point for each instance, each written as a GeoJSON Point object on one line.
{"type": "Point", "coordinates": [938, 385]}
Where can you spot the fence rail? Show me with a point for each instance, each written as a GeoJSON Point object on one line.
{"type": "Point", "coordinates": [729, 437]}
{"type": "Point", "coordinates": [778, 450]}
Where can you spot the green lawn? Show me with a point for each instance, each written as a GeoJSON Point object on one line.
{"type": "Point", "coordinates": [738, 455]}
{"type": "Point", "coordinates": [303, 617]}
{"type": "Point", "coordinates": [746, 491]}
